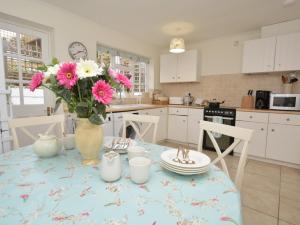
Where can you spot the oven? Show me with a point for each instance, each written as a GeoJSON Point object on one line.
{"type": "Point", "coordinates": [220, 115]}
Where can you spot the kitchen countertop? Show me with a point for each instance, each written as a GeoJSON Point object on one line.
{"type": "Point", "coordinates": [268, 111]}
{"type": "Point", "coordinates": [132, 107]}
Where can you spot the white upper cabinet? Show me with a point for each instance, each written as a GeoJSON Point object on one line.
{"type": "Point", "coordinates": [187, 66]}
{"type": "Point", "coordinates": [288, 52]}
{"type": "Point", "coordinates": [281, 53]}
{"type": "Point", "coordinates": [258, 55]}
{"type": "Point", "coordinates": [168, 68]}
{"type": "Point", "coordinates": [179, 67]}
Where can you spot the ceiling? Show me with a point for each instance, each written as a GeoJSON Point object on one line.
{"type": "Point", "coordinates": [156, 21]}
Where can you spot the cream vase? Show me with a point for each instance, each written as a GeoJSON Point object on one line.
{"type": "Point", "coordinates": [89, 139]}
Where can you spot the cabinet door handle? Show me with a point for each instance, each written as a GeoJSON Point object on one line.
{"type": "Point", "coordinates": [198, 122]}
{"type": "Point", "coordinates": [288, 119]}
{"type": "Point", "coordinates": [183, 120]}
{"type": "Point", "coordinates": [178, 77]}
{"type": "Point", "coordinates": [250, 117]}
{"type": "Point", "coordinates": [173, 78]}
{"type": "Point", "coordinates": [262, 129]}
{"type": "Point", "coordinates": [272, 130]}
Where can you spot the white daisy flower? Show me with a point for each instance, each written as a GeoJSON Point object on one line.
{"type": "Point", "coordinates": [87, 68]}
{"type": "Point", "coordinates": [52, 70]}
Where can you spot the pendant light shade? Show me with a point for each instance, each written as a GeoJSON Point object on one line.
{"type": "Point", "coordinates": [177, 45]}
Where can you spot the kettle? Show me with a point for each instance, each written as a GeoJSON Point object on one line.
{"type": "Point", "coordinates": [188, 99]}
{"type": "Point", "coordinates": [111, 166]}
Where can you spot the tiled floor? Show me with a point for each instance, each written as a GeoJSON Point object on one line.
{"type": "Point", "coordinates": [270, 193]}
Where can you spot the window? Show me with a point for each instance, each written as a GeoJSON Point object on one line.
{"type": "Point", "coordinates": [133, 66]}
{"type": "Point", "coordinates": [24, 50]}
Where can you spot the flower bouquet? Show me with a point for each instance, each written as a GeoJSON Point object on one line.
{"type": "Point", "coordinates": [87, 89]}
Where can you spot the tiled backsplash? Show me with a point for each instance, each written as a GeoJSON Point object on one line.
{"type": "Point", "coordinates": [230, 88]}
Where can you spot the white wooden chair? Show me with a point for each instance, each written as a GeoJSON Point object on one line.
{"type": "Point", "coordinates": [241, 135]}
{"type": "Point", "coordinates": [22, 123]}
{"type": "Point", "coordinates": [146, 119]}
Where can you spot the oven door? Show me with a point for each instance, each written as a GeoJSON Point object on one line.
{"type": "Point", "coordinates": [223, 141]}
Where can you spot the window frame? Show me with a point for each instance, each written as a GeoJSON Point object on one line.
{"type": "Point", "coordinates": [136, 60]}
{"type": "Point", "coordinates": [45, 36]}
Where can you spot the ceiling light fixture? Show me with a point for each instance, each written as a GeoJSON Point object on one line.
{"type": "Point", "coordinates": [287, 3]}
{"type": "Point", "coordinates": [177, 45]}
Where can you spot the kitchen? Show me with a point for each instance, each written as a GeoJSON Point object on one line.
{"type": "Point", "coordinates": [231, 73]}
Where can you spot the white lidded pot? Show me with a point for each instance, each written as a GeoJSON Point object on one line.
{"type": "Point", "coordinates": [46, 146]}
{"type": "Point", "coordinates": [111, 166]}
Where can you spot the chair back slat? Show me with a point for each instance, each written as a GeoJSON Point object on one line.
{"type": "Point", "coordinates": [241, 135]}
{"type": "Point", "coordinates": [22, 123]}
{"type": "Point", "coordinates": [25, 131]}
{"type": "Point", "coordinates": [150, 120]}
{"type": "Point", "coordinates": [218, 150]}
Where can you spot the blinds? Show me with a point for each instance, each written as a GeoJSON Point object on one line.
{"type": "Point", "coordinates": [116, 52]}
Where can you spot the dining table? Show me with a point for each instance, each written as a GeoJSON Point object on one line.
{"type": "Point", "coordinates": [60, 190]}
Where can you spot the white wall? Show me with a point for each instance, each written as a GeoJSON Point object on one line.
{"type": "Point", "coordinates": [69, 27]}
{"type": "Point", "coordinates": [222, 55]}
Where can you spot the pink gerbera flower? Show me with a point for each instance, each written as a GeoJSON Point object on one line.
{"type": "Point", "coordinates": [102, 92]}
{"type": "Point", "coordinates": [66, 75]}
{"type": "Point", "coordinates": [124, 80]}
{"type": "Point", "coordinates": [112, 73]}
{"type": "Point", "coordinates": [36, 81]}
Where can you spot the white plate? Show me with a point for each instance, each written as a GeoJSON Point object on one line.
{"type": "Point", "coordinates": [184, 169]}
{"type": "Point", "coordinates": [182, 172]}
{"type": "Point", "coordinates": [201, 160]}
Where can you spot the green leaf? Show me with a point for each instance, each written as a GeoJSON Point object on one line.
{"type": "Point", "coordinates": [100, 108]}
{"type": "Point", "coordinates": [53, 79]}
{"type": "Point", "coordinates": [82, 110]}
{"type": "Point", "coordinates": [54, 61]}
{"type": "Point", "coordinates": [42, 68]}
{"type": "Point", "coordinates": [57, 103]}
{"type": "Point", "coordinates": [95, 119]}
{"type": "Point", "coordinates": [95, 110]}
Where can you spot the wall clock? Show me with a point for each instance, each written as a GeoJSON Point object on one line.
{"type": "Point", "coordinates": [77, 50]}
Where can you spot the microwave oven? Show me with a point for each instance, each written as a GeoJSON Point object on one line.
{"type": "Point", "coordinates": [285, 101]}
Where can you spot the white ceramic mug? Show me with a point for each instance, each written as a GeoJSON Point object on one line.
{"type": "Point", "coordinates": [69, 141]}
{"type": "Point", "coordinates": [139, 168]}
{"type": "Point", "coordinates": [137, 151]}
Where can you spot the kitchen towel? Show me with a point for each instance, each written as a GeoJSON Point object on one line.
{"type": "Point", "coordinates": [217, 119]}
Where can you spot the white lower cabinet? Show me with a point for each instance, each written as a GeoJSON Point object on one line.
{"type": "Point", "coordinates": [283, 143]}
{"type": "Point", "coordinates": [162, 124]}
{"type": "Point", "coordinates": [257, 145]}
{"type": "Point", "coordinates": [194, 117]}
{"type": "Point", "coordinates": [177, 128]}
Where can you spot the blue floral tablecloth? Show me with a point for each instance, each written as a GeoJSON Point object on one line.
{"type": "Point", "coordinates": [61, 190]}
